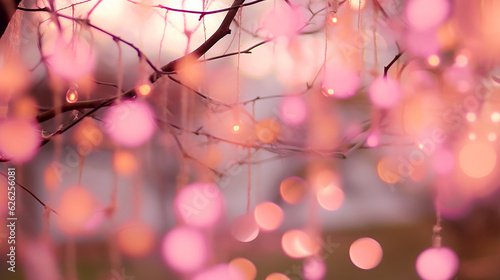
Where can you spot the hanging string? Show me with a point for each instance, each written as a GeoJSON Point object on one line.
{"type": "Point", "coordinates": [249, 174]}
{"type": "Point", "coordinates": [119, 73]}
{"type": "Point", "coordinates": [238, 57]}
{"type": "Point", "coordinates": [162, 37]}
{"type": "Point", "coordinates": [325, 54]}
{"type": "Point", "coordinates": [436, 230]}
{"type": "Point", "coordinates": [374, 34]}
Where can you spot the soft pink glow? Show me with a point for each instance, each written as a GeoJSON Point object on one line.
{"type": "Point", "coordinates": [283, 21]}
{"type": "Point", "coordinates": [293, 110]}
{"type": "Point", "coordinates": [293, 189]}
{"type": "Point", "coordinates": [268, 215]}
{"type": "Point", "coordinates": [20, 139]}
{"type": "Point", "coordinates": [365, 253]}
{"type": "Point", "coordinates": [297, 244]}
{"type": "Point", "coordinates": [244, 228]}
{"type": "Point", "coordinates": [477, 159]}
{"type": "Point", "coordinates": [426, 14]}
{"type": "Point", "coordinates": [385, 92]}
{"type": "Point", "coordinates": [184, 249]}
{"type": "Point", "coordinates": [372, 140]}
{"type": "Point", "coordinates": [340, 82]}
{"type": "Point", "coordinates": [422, 44]}
{"type": "Point", "coordinates": [199, 204]}
{"type": "Point", "coordinates": [130, 123]}
{"type": "Point", "coordinates": [439, 263]}
{"type": "Point", "coordinates": [220, 272]}
{"type": "Point", "coordinates": [314, 269]}
{"type": "Point", "coordinates": [244, 267]}
{"type": "Point", "coordinates": [330, 198]}
{"type": "Point", "coordinates": [76, 207]}
{"type": "Point", "coordinates": [443, 161]}
{"type": "Point", "coordinates": [71, 60]}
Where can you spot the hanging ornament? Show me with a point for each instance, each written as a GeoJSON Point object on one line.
{"type": "Point", "coordinates": [71, 95]}
{"type": "Point", "coordinates": [333, 18]}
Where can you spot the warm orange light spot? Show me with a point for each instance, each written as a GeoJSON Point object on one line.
{"type": "Point", "coordinates": [125, 163]}
{"type": "Point", "coordinates": [365, 253]}
{"type": "Point", "coordinates": [477, 159]}
{"type": "Point", "coordinates": [51, 177]}
{"type": "Point", "coordinates": [387, 169]}
{"type": "Point", "coordinates": [321, 177]}
{"type": "Point", "coordinates": [297, 244]}
{"type": "Point", "coordinates": [236, 128]}
{"type": "Point", "coordinates": [461, 60]}
{"type": "Point", "coordinates": [433, 60]}
{"type": "Point", "coordinates": [268, 215]}
{"type": "Point", "coordinates": [495, 117]}
{"type": "Point", "coordinates": [472, 136]}
{"type": "Point", "coordinates": [25, 107]}
{"type": "Point", "coordinates": [420, 146]}
{"type": "Point", "coordinates": [190, 71]}
{"type": "Point", "coordinates": [471, 117]}
{"type": "Point", "coordinates": [75, 208]}
{"type": "Point", "coordinates": [244, 267]}
{"type": "Point", "coordinates": [277, 276]}
{"type": "Point", "coordinates": [492, 136]}
{"type": "Point", "coordinates": [136, 238]}
{"type": "Point", "coordinates": [52, 25]}
{"type": "Point", "coordinates": [71, 96]}
{"type": "Point", "coordinates": [144, 89]}
{"type": "Point", "coordinates": [293, 189]}
{"type": "Point", "coordinates": [87, 136]}
{"type": "Point", "coordinates": [267, 130]}
{"type": "Point", "coordinates": [330, 198]}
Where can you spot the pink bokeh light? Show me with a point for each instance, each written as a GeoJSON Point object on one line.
{"type": "Point", "coordinates": [385, 92]}
{"type": "Point", "coordinates": [283, 20]}
{"type": "Point", "coordinates": [330, 198]}
{"type": "Point", "coordinates": [71, 60]}
{"type": "Point", "coordinates": [130, 123]}
{"type": "Point", "coordinates": [293, 110]}
{"type": "Point", "coordinates": [184, 249]}
{"type": "Point", "coordinates": [220, 272]}
{"type": "Point", "coordinates": [297, 244]}
{"type": "Point", "coordinates": [340, 82]}
{"type": "Point", "coordinates": [439, 263]}
{"type": "Point", "coordinates": [244, 228]}
{"type": "Point", "coordinates": [199, 204]}
{"type": "Point", "coordinates": [268, 215]}
{"type": "Point", "coordinates": [314, 269]}
{"type": "Point", "coordinates": [427, 14]}
{"type": "Point", "coordinates": [366, 253]}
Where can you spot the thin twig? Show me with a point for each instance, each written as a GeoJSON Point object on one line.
{"type": "Point", "coordinates": [31, 193]}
